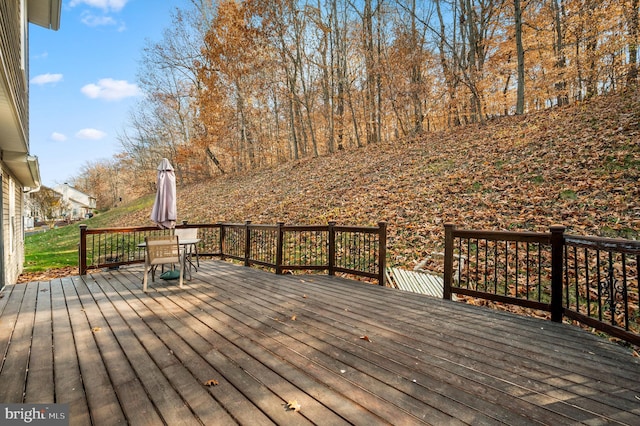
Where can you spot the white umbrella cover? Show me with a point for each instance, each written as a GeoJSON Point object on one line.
{"type": "Point", "coordinates": [164, 211]}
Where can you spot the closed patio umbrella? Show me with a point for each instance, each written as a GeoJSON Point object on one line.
{"type": "Point", "coordinates": [164, 211]}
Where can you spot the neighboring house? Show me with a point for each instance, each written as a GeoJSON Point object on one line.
{"type": "Point", "coordinates": [75, 204]}
{"type": "Point", "coordinates": [20, 171]}
{"type": "Point", "coordinates": [43, 206]}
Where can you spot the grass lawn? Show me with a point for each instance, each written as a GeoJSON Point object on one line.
{"type": "Point", "coordinates": [58, 248]}
{"type": "Point", "coordinates": [52, 249]}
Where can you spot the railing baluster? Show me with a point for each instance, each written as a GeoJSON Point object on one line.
{"type": "Point", "coordinates": [517, 269]}
{"type": "Point", "coordinates": [527, 266]}
{"type": "Point", "coordinates": [612, 289]}
{"type": "Point", "coordinates": [576, 278]}
{"type": "Point", "coordinates": [477, 250]}
{"type": "Point", "coordinates": [539, 272]}
{"type": "Point", "coordinates": [486, 263]}
{"type": "Point", "coordinates": [586, 278]}
{"type": "Point", "coordinates": [506, 267]}
{"type": "Point", "coordinates": [599, 285]}
{"type": "Point", "coordinates": [624, 292]}
{"type": "Point", "coordinates": [495, 267]}
{"type": "Point", "coordinates": [566, 275]}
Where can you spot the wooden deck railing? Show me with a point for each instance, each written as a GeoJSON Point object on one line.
{"type": "Point", "coordinates": [359, 251]}
{"type": "Point", "coordinates": [591, 280]}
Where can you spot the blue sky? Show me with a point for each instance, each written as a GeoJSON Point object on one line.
{"type": "Point", "coordinates": [83, 79]}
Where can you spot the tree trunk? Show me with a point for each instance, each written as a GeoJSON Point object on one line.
{"type": "Point", "coordinates": [449, 78]}
{"type": "Point", "coordinates": [416, 72]}
{"type": "Point", "coordinates": [520, 53]}
{"type": "Point", "coordinates": [340, 51]}
{"type": "Point", "coordinates": [370, 78]}
{"type": "Point", "coordinates": [632, 75]}
{"type": "Point", "coordinates": [562, 97]}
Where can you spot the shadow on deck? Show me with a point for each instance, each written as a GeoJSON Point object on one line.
{"type": "Point", "coordinates": [346, 352]}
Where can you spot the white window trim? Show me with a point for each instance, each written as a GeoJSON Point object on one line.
{"type": "Point", "coordinates": [12, 215]}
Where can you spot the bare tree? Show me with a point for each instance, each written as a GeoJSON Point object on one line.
{"type": "Point", "coordinates": [517, 9]}
{"type": "Point", "coordinates": [165, 122]}
{"type": "Point", "coordinates": [562, 97]}
{"type": "Point", "coordinates": [633, 32]}
{"type": "Point", "coordinates": [47, 205]}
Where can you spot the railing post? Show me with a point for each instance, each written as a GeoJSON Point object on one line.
{"type": "Point", "coordinates": [82, 251]}
{"type": "Point", "coordinates": [247, 243]}
{"type": "Point", "coordinates": [222, 238]}
{"type": "Point", "coordinates": [279, 248]}
{"type": "Point", "coordinates": [331, 236]}
{"type": "Point", "coordinates": [382, 252]}
{"type": "Point", "coordinates": [448, 260]}
{"type": "Point", "coordinates": [557, 248]}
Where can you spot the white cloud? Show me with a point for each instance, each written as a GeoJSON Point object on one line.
{"type": "Point", "coordinates": [91, 134]}
{"type": "Point", "coordinates": [91, 20]}
{"type": "Point", "coordinates": [46, 79]}
{"type": "Point", "coordinates": [110, 89]}
{"type": "Point", "coordinates": [58, 137]}
{"type": "Point", "coordinates": [106, 5]}
{"type": "Point", "coordinates": [42, 55]}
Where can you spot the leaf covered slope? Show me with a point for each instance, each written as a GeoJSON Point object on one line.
{"type": "Point", "coordinates": [578, 166]}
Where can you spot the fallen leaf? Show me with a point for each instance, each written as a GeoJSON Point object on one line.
{"type": "Point", "coordinates": [211, 382]}
{"type": "Point", "coordinates": [365, 337]}
{"type": "Point", "coordinates": [293, 318]}
{"type": "Point", "coordinates": [292, 406]}
{"type": "Point", "coordinates": [96, 329]}
{"type": "Point", "coordinates": [304, 296]}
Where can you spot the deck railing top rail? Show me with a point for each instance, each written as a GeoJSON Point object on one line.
{"type": "Point", "coordinates": [599, 243]}
{"type": "Point", "coordinates": [502, 235]}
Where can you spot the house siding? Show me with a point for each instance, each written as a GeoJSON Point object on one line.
{"type": "Point", "coordinates": [13, 35]}
{"type": "Point", "coordinates": [12, 50]}
{"type": "Point", "coordinates": [12, 230]}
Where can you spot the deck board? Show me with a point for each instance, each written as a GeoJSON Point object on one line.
{"type": "Point", "coordinates": [118, 355]}
{"type": "Point", "coordinates": [100, 396]}
{"type": "Point", "coordinates": [16, 360]}
{"type": "Point", "coordinates": [68, 383]}
{"type": "Point", "coordinates": [39, 385]}
{"type": "Point", "coordinates": [362, 322]}
{"type": "Point", "coordinates": [146, 355]}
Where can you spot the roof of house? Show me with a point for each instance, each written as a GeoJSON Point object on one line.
{"type": "Point", "coordinates": [45, 13]}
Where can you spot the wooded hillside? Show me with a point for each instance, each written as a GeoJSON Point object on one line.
{"type": "Point", "coordinates": [575, 165]}
{"type": "Point", "coordinates": [237, 86]}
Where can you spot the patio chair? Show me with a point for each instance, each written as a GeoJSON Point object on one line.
{"type": "Point", "coordinates": [190, 249]}
{"type": "Point", "coordinates": [162, 250]}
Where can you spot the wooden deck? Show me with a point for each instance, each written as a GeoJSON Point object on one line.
{"type": "Point", "coordinates": [347, 352]}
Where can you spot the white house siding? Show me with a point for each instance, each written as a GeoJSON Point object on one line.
{"type": "Point", "coordinates": [19, 170]}
{"type": "Point", "coordinates": [12, 229]}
